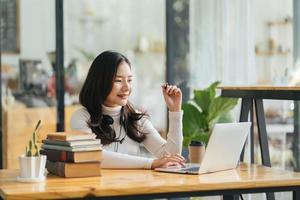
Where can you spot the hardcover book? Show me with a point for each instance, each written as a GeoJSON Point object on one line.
{"type": "Point", "coordinates": [74, 170]}
{"type": "Point", "coordinates": [72, 149]}
{"type": "Point", "coordinates": [74, 143]}
{"type": "Point", "coordinates": [76, 157]}
{"type": "Point", "coordinates": [70, 136]}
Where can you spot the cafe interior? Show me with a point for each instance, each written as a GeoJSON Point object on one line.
{"type": "Point", "coordinates": [46, 53]}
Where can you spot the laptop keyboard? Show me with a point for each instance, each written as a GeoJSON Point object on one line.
{"type": "Point", "coordinates": [190, 169]}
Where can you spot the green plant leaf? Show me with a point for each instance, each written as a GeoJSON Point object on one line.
{"type": "Point", "coordinates": [203, 98]}
{"type": "Point", "coordinates": [37, 153]}
{"type": "Point", "coordinates": [212, 89]}
{"type": "Point", "coordinates": [193, 120]}
{"type": "Point", "coordinates": [33, 137]}
{"type": "Point", "coordinates": [30, 145]}
{"type": "Point", "coordinates": [201, 137]}
{"type": "Point", "coordinates": [28, 154]}
{"type": "Point", "coordinates": [203, 111]}
{"type": "Point", "coordinates": [186, 141]}
{"type": "Point", "coordinates": [219, 106]}
{"type": "Point", "coordinates": [37, 126]}
{"type": "Point", "coordinates": [32, 141]}
{"type": "Point", "coordinates": [26, 150]}
{"type": "Point", "coordinates": [225, 118]}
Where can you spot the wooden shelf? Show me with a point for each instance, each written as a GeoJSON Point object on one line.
{"type": "Point", "coordinates": [279, 23]}
{"type": "Point", "coordinates": [267, 53]}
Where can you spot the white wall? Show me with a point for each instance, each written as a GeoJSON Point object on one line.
{"type": "Point", "coordinates": [223, 38]}
{"type": "Point", "coordinates": [222, 42]}
{"type": "Point", "coordinates": [274, 69]}
{"type": "Point", "coordinates": [97, 25]}
{"type": "Point", "coordinates": [269, 10]}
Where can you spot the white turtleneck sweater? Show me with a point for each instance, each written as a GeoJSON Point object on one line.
{"type": "Point", "coordinates": [127, 154]}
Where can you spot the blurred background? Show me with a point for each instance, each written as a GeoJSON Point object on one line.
{"type": "Point", "coordinates": [191, 43]}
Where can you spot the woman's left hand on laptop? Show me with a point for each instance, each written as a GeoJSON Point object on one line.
{"type": "Point", "coordinates": [167, 161]}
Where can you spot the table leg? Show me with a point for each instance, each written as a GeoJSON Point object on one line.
{"type": "Point", "coordinates": [245, 108]}
{"type": "Point", "coordinates": [296, 135]}
{"type": "Point", "coordinates": [252, 133]}
{"type": "Point", "coordinates": [263, 138]}
{"type": "Point", "coordinates": [231, 197]}
{"type": "Point", "coordinates": [296, 195]}
{"type": "Point", "coordinates": [262, 132]}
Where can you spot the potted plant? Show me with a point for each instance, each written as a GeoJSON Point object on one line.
{"type": "Point", "coordinates": [202, 112]}
{"type": "Point", "coordinates": [32, 164]}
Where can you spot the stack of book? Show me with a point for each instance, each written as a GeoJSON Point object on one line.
{"type": "Point", "coordinates": [72, 154]}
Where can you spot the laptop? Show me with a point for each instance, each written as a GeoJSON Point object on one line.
{"type": "Point", "coordinates": [223, 150]}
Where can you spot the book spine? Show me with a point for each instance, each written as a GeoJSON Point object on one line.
{"type": "Point", "coordinates": [69, 170]}
{"type": "Point", "coordinates": [55, 168]}
{"type": "Point", "coordinates": [54, 155]}
{"type": "Point", "coordinates": [70, 157]}
{"type": "Point", "coordinates": [57, 137]}
{"type": "Point", "coordinates": [56, 147]}
{"type": "Point", "coordinates": [71, 149]}
{"type": "Point", "coordinates": [61, 168]}
{"type": "Point", "coordinates": [56, 142]}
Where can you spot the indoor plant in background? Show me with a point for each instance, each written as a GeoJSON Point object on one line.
{"type": "Point", "coordinates": [32, 164]}
{"type": "Point", "coordinates": [202, 112]}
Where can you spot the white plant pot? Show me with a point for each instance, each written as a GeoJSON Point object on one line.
{"type": "Point", "coordinates": [32, 169]}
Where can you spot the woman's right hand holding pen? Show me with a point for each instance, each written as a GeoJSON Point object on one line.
{"type": "Point", "coordinates": [174, 160]}
{"type": "Point", "coordinates": [173, 97]}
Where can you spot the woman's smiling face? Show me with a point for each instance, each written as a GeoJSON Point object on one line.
{"type": "Point", "coordinates": [121, 88]}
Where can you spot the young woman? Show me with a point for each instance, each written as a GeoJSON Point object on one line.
{"type": "Point", "coordinates": [122, 129]}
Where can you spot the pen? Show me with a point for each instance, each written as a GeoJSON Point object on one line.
{"type": "Point", "coordinates": [165, 85]}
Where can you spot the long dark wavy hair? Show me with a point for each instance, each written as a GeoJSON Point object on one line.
{"type": "Point", "coordinates": [96, 88]}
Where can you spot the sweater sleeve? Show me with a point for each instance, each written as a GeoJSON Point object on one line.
{"type": "Point", "coordinates": [109, 159]}
{"type": "Point", "coordinates": [157, 145]}
{"type": "Point", "coordinates": [119, 160]}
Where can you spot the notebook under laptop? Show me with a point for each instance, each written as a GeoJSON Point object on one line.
{"type": "Point", "coordinates": [223, 149]}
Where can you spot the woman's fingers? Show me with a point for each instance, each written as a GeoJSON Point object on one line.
{"type": "Point", "coordinates": [171, 164]}
{"type": "Point", "coordinates": [180, 157]}
{"type": "Point", "coordinates": [170, 89]}
{"type": "Point", "coordinates": [169, 160]}
{"type": "Point", "coordinates": [176, 155]}
{"type": "Point", "coordinates": [178, 91]}
{"type": "Point", "coordinates": [175, 158]}
{"type": "Point", "coordinates": [172, 159]}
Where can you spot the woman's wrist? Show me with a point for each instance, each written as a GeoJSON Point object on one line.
{"type": "Point", "coordinates": [175, 109]}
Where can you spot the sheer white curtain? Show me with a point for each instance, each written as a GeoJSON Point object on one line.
{"type": "Point", "coordinates": [222, 42]}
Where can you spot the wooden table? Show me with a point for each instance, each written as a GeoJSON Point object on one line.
{"type": "Point", "coordinates": [252, 101]}
{"type": "Point", "coordinates": [143, 184]}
